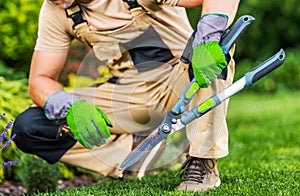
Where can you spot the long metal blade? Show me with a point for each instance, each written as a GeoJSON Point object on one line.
{"type": "Point", "coordinates": [148, 144]}
{"type": "Point", "coordinates": [142, 149]}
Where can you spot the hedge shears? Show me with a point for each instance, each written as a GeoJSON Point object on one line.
{"type": "Point", "coordinates": [178, 117]}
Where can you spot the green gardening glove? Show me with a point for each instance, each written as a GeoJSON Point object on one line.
{"type": "Point", "coordinates": [88, 124]}
{"type": "Point", "coordinates": [208, 59]}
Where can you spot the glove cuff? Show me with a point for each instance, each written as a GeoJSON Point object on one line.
{"type": "Point", "coordinates": [210, 28]}
{"type": "Point", "coordinates": [58, 103]}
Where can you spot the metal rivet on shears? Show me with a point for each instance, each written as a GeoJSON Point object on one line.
{"type": "Point", "coordinates": [165, 128]}
{"type": "Point", "coordinates": [173, 121]}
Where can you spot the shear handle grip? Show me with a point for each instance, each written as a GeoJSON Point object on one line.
{"type": "Point", "coordinates": [264, 68]}
{"type": "Point", "coordinates": [231, 36]}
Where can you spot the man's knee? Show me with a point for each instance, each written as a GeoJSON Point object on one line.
{"type": "Point", "coordinates": [22, 124]}
{"type": "Point", "coordinates": [37, 135]}
{"type": "Point", "coordinates": [33, 124]}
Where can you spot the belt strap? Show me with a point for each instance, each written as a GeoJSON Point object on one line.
{"type": "Point", "coordinates": [75, 13]}
{"type": "Point", "coordinates": [132, 4]}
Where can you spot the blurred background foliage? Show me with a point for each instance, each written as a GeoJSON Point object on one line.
{"type": "Point", "coordinates": [276, 26]}
{"type": "Point", "coordinates": [18, 20]}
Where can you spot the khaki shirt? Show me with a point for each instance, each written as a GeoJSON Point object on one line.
{"type": "Point", "coordinates": [55, 31]}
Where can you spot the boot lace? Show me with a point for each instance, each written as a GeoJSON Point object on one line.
{"type": "Point", "coordinates": [195, 169]}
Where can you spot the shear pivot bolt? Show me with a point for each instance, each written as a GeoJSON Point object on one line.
{"type": "Point", "coordinates": [165, 128]}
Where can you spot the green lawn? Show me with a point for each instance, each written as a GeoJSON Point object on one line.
{"type": "Point", "coordinates": [264, 153]}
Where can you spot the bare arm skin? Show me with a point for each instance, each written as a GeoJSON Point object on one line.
{"type": "Point", "coordinates": [228, 7]}
{"type": "Point", "coordinates": [190, 3]}
{"type": "Point", "coordinates": [44, 71]}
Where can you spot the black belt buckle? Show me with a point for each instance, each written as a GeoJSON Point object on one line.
{"type": "Point", "coordinates": [132, 3]}
{"type": "Point", "coordinates": [76, 17]}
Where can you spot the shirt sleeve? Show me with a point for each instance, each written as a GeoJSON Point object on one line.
{"type": "Point", "coordinates": [53, 30]}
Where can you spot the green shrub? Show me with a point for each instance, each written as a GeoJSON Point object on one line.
{"type": "Point", "coordinates": [37, 175]}
{"type": "Point", "coordinates": [66, 171]}
{"type": "Point", "coordinates": [10, 73]}
{"type": "Point", "coordinates": [288, 75]}
{"type": "Point", "coordinates": [276, 26]}
{"type": "Point", "coordinates": [13, 100]}
{"type": "Point", "coordinates": [19, 21]}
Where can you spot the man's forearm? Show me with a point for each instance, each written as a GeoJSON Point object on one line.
{"type": "Point", "coordinates": [44, 72]}
{"type": "Point", "coordinates": [228, 7]}
{"type": "Point", "coordinates": [189, 3]}
{"type": "Point", "coordinates": [40, 88]}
